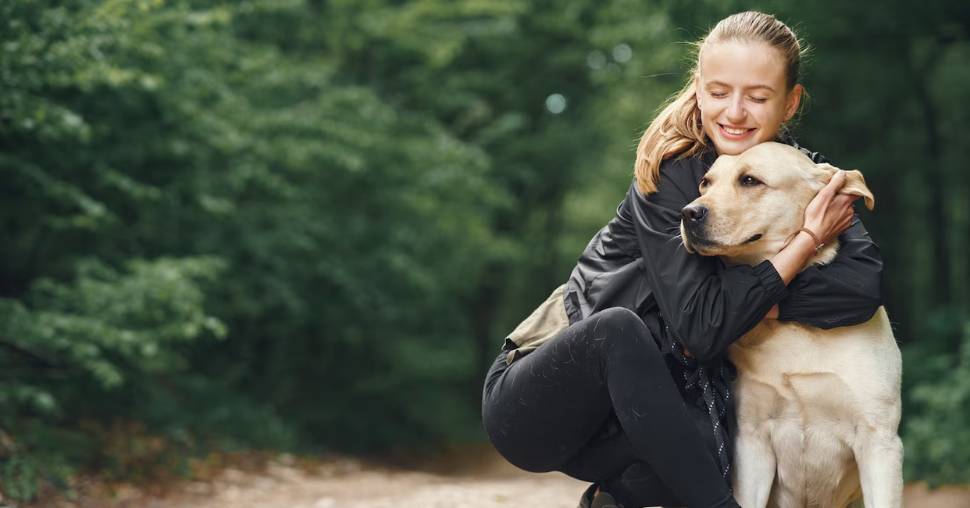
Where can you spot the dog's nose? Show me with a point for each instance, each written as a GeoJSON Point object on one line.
{"type": "Point", "coordinates": [694, 214]}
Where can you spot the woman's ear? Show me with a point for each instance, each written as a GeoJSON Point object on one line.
{"type": "Point", "coordinates": [855, 184]}
{"type": "Point", "coordinates": [793, 100]}
{"type": "Point", "coordinates": [697, 89]}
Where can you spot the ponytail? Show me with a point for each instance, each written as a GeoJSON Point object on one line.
{"type": "Point", "coordinates": [676, 131]}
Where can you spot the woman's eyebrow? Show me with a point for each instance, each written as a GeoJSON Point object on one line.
{"type": "Point", "coordinates": [750, 87]}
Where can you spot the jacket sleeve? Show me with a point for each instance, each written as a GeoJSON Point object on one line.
{"type": "Point", "coordinates": [845, 292]}
{"type": "Point", "coordinates": [705, 305]}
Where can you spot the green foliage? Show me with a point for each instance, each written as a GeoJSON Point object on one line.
{"type": "Point", "coordinates": [104, 319]}
{"type": "Point", "coordinates": [937, 430]}
{"type": "Point", "coordinates": [165, 164]}
{"type": "Point", "coordinates": [306, 224]}
{"type": "Point", "coordinates": [72, 343]}
{"type": "Point", "coordinates": [21, 474]}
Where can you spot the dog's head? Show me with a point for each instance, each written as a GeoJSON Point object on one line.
{"type": "Point", "coordinates": [751, 204]}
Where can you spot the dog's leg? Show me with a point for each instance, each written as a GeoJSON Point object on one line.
{"type": "Point", "coordinates": [879, 455]}
{"type": "Point", "coordinates": [754, 461]}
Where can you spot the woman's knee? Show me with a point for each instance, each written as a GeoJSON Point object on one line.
{"type": "Point", "coordinates": [620, 327]}
{"type": "Point", "coordinates": [618, 317]}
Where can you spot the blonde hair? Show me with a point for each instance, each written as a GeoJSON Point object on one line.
{"type": "Point", "coordinates": [677, 130]}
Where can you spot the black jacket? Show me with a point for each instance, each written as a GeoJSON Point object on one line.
{"type": "Point", "coordinates": [638, 262]}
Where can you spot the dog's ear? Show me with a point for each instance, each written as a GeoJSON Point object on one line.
{"type": "Point", "coordinates": [855, 184]}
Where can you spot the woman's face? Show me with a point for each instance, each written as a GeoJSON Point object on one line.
{"type": "Point", "coordinates": [742, 95]}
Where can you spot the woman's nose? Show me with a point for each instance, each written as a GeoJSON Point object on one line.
{"type": "Point", "coordinates": [736, 112]}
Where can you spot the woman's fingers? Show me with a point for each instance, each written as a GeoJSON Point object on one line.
{"type": "Point", "coordinates": [824, 198]}
{"type": "Point", "coordinates": [834, 185]}
{"type": "Point", "coordinates": [830, 213]}
{"type": "Point", "coordinates": [846, 198]}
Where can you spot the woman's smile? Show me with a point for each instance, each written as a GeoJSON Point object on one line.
{"type": "Point", "coordinates": [736, 133]}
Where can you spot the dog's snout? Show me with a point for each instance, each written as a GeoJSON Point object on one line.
{"type": "Point", "coordinates": [694, 214]}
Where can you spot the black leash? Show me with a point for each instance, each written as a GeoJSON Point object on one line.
{"type": "Point", "coordinates": [713, 380]}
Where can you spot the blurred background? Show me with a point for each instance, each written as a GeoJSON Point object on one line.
{"type": "Point", "coordinates": [307, 225]}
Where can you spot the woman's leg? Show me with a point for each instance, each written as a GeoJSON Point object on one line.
{"type": "Point", "coordinates": [608, 458]}
{"type": "Point", "coordinates": [544, 408]}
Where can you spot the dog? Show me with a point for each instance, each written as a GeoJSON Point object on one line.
{"type": "Point", "coordinates": [818, 410]}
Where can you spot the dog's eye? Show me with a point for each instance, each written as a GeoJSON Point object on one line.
{"type": "Point", "coordinates": [750, 181]}
{"type": "Point", "coordinates": [705, 182]}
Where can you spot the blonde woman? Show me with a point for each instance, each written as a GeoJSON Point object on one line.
{"type": "Point", "coordinates": [604, 381]}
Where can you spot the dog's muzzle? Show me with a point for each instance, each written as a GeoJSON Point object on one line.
{"type": "Point", "coordinates": [694, 218]}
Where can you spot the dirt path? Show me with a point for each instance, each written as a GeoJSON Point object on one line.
{"type": "Point", "coordinates": [479, 479]}
{"type": "Point", "coordinates": [475, 478]}
{"type": "Point", "coordinates": [381, 489]}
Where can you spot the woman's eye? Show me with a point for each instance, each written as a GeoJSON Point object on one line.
{"type": "Point", "coordinates": [750, 181]}
{"type": "Point", "coordinates": [718, 95]}
{"type": "Point", "coordinates": [760, 100]}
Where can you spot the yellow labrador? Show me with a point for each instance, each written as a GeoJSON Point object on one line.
{"type": "Point", "coordinates": [818, 410]}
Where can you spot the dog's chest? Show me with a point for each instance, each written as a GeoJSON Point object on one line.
{"type": "Point", "coordinates": [802, 390]}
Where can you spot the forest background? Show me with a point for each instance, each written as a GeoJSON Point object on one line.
{"type": "Point", "coordinates": [306, 225]}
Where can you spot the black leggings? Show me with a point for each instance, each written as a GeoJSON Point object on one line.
{"type": "Point", "coordinates": [598, 403]}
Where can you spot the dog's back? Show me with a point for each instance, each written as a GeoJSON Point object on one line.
{"type": "Point", "coordinates": [811, 401]}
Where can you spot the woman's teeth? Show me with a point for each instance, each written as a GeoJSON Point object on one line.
{"type": "Point", "coordinates": [735, 131]}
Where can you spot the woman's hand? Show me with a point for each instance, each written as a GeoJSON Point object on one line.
{"type": "Point", "coordinates": [828, 215]}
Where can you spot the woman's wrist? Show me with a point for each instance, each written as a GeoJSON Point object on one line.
{"type": "Point", "coordinates": [793, 257]}
{"type": "Point", "coordinates": [773, 313]}
{"type": "Point", "coordinates": [807, 245]}
{"type": "Point", "coordinates": [815, 239]}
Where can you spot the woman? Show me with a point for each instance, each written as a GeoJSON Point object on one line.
{"type": "Point", "coordinates": [638, 333]}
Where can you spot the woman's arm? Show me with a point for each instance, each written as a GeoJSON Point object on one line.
{"type": "Point", "coordinates": [705, 305]}
{"type": "Point", "coordinates": [845, 292]}
{"type": "Point", "coordinates": [828, 215]}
